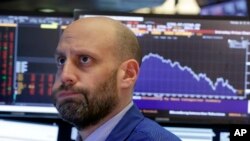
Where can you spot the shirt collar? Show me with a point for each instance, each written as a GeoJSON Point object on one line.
{"type": "Point", "coordinates": [101, 133]}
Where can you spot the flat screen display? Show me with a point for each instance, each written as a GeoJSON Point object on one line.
{"type": "Point", "coordinates": [12, 130]}
{"type": "Point", "coordinates": [194, 69]}
{"type": "Point", "coordinates": [27, 68]}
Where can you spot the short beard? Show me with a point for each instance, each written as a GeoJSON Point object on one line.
{"type": "Point", "coordinates": [86, 112]}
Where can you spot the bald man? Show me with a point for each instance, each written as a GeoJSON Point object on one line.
{"type": "Point", "coordinates": [98, 61]}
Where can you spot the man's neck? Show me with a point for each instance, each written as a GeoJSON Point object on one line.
{"type": "Point", "coordinates": [90, 129]}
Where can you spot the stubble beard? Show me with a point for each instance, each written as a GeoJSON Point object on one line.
{"type": "Point", "coordinates": [87, 111]}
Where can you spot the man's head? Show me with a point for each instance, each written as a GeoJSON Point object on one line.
{"type": "Point", "coordinates": [98, 63]}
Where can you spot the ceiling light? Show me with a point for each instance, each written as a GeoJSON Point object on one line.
{"type": "Point", "coordinates": [187, 7]}
{"type": "Point", "coordinates": [47, 10]}
{"type": "Point", "coordinates": [168, 7]}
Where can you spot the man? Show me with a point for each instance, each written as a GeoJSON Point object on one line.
{"type": "Point", "coordinates": [98, 63]}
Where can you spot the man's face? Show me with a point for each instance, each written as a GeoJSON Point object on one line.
{"type": "Point", "coordinates": [85, 89]}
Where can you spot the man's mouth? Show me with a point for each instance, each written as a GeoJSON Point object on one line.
{"type": "Point", "coordinates": [67, 93]}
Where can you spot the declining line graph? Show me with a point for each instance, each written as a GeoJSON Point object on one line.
{"type": "Point", "coordinates": [159, 75]}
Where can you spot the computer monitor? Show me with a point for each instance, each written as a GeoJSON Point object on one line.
{"type": "Point", "coordinates": [226, 8]}
{"type": "Point", "coordinates": [194, 69]}
{"type": "Point", "coordinates": [27, 66]}
{"type": "Point", "coordinates": [13, 130]}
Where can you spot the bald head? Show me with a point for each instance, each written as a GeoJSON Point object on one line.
{"type": "Point", "coordinates": [122, 40]}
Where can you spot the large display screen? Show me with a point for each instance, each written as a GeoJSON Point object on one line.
{"type": "Point", "coordinates": [12, 130]}
{"type": "Point", "coordinates": [194, 69]}
{"type": "Point", "coordinates": [27, 66]}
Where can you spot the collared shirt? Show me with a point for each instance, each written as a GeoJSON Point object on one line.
{"type": "Point", "coordinates": [101, 133]}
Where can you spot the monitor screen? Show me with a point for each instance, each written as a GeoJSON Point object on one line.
{"type": "Point", "coordinates": [27, 66]}
{"type": "Point", "coordinates": [226, 8]}
{"type": "Point", "coordinates": [194, 69]}
{"type": "Point", "coordinates": [12, 130]}
{"type": "Point", "coordinates": [192, 134]}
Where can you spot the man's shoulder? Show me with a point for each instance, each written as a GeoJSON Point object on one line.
{"type": "Point", "coordinates": [134, 126]}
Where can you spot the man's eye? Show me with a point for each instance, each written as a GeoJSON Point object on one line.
{"type": "Point", "coordinates": [60, 61]}
{"type": "Point", "coordinates": [85, 59]}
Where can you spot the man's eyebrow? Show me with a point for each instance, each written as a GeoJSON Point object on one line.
{"type": "Point", "coordinates": [58, 53]}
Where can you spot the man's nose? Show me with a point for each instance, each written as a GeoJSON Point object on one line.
{"type": "Point", "coordinates": [68, 75]}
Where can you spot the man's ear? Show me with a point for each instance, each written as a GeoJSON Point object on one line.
{"type": "Point", "coordinates": [129, 73]}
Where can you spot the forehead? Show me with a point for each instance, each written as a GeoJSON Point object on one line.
{"type": "Point", "coordinates": [89, 36]}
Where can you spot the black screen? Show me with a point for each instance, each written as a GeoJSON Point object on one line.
{"type": "Point", "coordinates": [194, 69]}
{"type": "Point", "coordinates": [27, 46]}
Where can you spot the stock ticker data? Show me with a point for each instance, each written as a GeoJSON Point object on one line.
{"type": "Point", "coordinates": [7, 36]}
{"type": "Point", "coordinates": [27, 45]}
{"type": "Point", "coordinates": [191, 67]}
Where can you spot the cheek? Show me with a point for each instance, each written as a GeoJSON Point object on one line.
{"type": "Point", "coordinates": [96, 77]}
{"type": "Point", "coordinates": [90, 81]}
{"type": "Point", "coordinates": [56, 84]}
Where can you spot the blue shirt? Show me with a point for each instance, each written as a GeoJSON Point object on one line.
{"type": "Point", "coordinates": [102, 132]}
